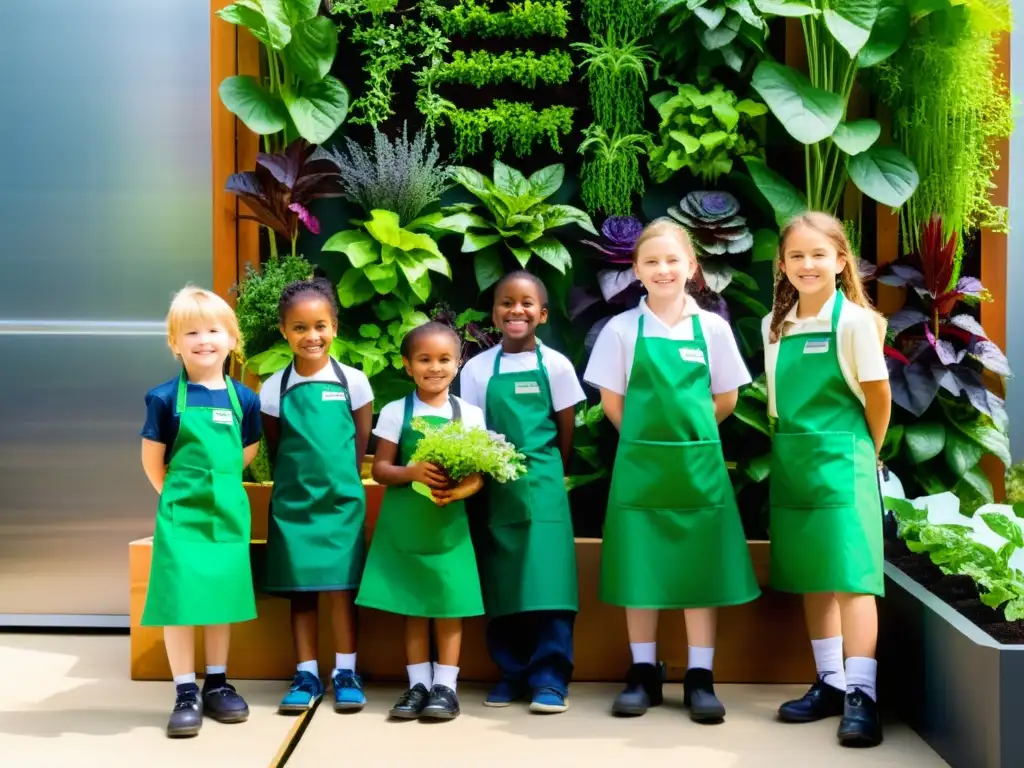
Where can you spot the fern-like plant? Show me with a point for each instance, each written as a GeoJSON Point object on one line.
{"type": "Point", "coordinates": [402, 176]}
{"type": "Point", "coordinates": [618, 78]}
{"type": "Point", "coordinates": [611, 172]}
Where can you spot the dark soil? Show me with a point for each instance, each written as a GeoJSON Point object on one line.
{"type": "Point", "coordinates": [960, 592]}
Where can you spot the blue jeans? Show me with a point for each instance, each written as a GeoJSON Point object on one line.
{"type": "Point", "coordinates": [533, 648]}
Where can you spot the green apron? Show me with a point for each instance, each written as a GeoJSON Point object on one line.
{"type": "Point", "coordinates": [528, 553]}
{"type": "Point", "coordinates": [421, 560]}
{"type": "Point", "coordinates": [673, 536]}
{"type": "Point", "coordinates": [315, 537]}
{"type": "Point", "coordinates": [826, 528]}
{"type": "Point", "coordinates": [201, 573]}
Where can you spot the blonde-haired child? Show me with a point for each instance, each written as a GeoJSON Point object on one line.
{"type": "Point", "coordinates": [202, 429]}
{"type": "Point", "coordinates": [669, 374]}
{"type": "Point", "coordinates": [828, 386]}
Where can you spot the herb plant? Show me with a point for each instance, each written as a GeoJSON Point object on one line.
{"type": "Point", "coordinates": [517, 123]}
{"type": "Point", "coordinates": [516, 217]}
{"type": "Point", "coordinates": [259, 294]}
{"type": "Point", "coordinates": [611, 172]}
{"type": "Point", "coordinates": [528, 18]}
{"type": "Point", "coordinates": [480, 68]}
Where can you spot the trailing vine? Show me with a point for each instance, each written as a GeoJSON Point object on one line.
{"type": "Point", "coordinates": [481, 68]}
{"type": "Point", "coordinates": [611, 172]}
{"type": "Point", "coordinates": [529, 18]}
{"type": "Point", "coordinates": [517, 123]}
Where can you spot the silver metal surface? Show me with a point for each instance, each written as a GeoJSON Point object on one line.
{"type": "Point", "coordinates": [105, 211]}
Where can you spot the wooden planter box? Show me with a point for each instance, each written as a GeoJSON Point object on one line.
{"type": "Point", "coordinates": [763, 642]}
{"type": "Point", "coordinates": [962, 691]}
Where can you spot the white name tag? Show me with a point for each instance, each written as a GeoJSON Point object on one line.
{"type": "Point", "coordinates": [815, 346]}
{"type": "Point", "coordinates": [527, 388]}
{"type": "Point", "coordinates": [223, 417]}
{"type": "Point", "coordinates": [691, 355]}
{"type": "Point", "coordinates": [328, 396]}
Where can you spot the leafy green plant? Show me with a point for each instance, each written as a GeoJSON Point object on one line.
{"type": "Point", "coordinates": [585, 446]}
{"type": "Point", "coordinates": [515, 122]}
{"type": "Point", "coordinates": [617, 77]}
{"type": "Point", "coordinates": [461, 451]}
{"type": "Point", "coordinates": [480, 68]}
{"type": "Point", "coordinates": [282, 186]}
{"type": "Point", "coordinates": [259, 294]}
{"type": "Point", "coordinates": [611, 171]}
{"type": "Point", "coordinates": [470, 325]}
{"type": "Point", "coordinates": [299, 98]}
{"type": "Point", "coordinates": [528, 18]}
{"type": "Point", "coordinates": [949, 109]}
{"type": "Point", "coordinates": [703, 131]}
{"type": "Point", "coordinates": [517, 217]}
{"type": "Point", "coordinates": [840, 40]}
{"type": "Point", "coordinates": [718, 31]}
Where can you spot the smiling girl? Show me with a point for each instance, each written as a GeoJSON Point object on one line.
{"type": "Point", "coordinates": [316, 416]}
{"type": "Point", "coordinates": [528, 554]}
{"type": "Point", "coordinates": [421, 563]}
{"type": "Point", "coordinates": [828, 386]}
{"type": "Point", "coordinates": [669, 374]}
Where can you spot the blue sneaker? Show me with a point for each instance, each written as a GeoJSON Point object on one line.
{"type": "Point", "coordinates": [503, 694]}
{"type": "Point", "coordinates": [548, 701]}
{"type": "Point", "coordinates": [348, 691]}
{"type": "Point", "coordinates": [305, 691]}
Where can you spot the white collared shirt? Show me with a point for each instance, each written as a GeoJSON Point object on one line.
{"type": "Point", "coordinates": [392, 416]}
{"type": "Point", "coordinates": [565, 386]}
{"type": "Point", "coordinates": [860, 344]}
{"type": "Point", "coordinates": [612, 358]}
{"type": "Point", "coordinates": [359, 390]}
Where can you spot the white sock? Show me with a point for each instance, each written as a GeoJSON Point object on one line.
{"type": "Point", "coordinates": [221, 670]}
{"type": "Point", "coordinates": [420, 673]}
{"type": "Point", "coordinates": [828, 658]}
{"type": "Point", "coordinates": [447, 676]}
{"type": "Point", "coordinates": [644, 653]}
{"type": "Point", "coordinates": [861, 673]}
{"type": "Point", "coordinates": [185, 679]}
{"type": "Point", "coordinates": [313, 667]}
{"type": "Point", "coordinates": [344, 661]}
{"type": "Point", "coordinates": [700, 658]}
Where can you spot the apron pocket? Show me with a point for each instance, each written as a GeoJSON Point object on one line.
{"type": "Point", "coordinates": [191, 523]}
{"type": "Point", "coordinates": [812, 470]}
{"type": "Point", "coordinates": [670, 476]}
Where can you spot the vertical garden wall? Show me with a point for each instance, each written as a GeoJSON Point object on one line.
{"type": "Point", "coordinates": [415, 150]}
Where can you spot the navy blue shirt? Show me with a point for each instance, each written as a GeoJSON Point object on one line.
{"type": "Point", "coordinates": [162, 421]}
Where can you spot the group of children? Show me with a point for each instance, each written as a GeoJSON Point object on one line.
{"type": "Point", "coordinates": [668, 374]}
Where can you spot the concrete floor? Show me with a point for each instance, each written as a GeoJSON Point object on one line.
{"type": "Point", "coordinates": [68, 700]}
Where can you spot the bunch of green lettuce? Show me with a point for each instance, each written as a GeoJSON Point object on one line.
{"type": "Point", "coordinates": [462, 451]}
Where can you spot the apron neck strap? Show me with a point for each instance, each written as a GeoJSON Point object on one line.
{"type": "Point", "coordinates": [497, 359]}
{"type": "Point", "coordinates": [410, 400]}
{"type": "Point", "coordinates": [182, 399]}
{"type": "Point", "coordinates": [837, 309]}
{"type": "Point", "coordinates": [338, 371]}
{"type": "Point", "coordinates": [698, 333]}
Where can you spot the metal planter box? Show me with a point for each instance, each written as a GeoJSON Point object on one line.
{"type": "Point", "coordinates": [962, 691]}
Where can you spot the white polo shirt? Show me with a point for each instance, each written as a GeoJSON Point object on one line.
{"type": "Point", "coordinates": [565, 386]}
{"type": "Point", "coordinates": [359, 391]}
{"type": "Point", "coordinates": [392, 415]}
{"type": "Point", "coordinates": [612, 357]}
{"type": "Point", "coordinates": [859, 339]}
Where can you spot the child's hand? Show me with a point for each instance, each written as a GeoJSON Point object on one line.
{"type": "Point", "coordinates": [429, 474]}
{"type": "Point", "coordinates": [465, 489]}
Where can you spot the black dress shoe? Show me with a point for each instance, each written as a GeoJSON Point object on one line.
{"type": "Point", "coordinates": [443, 704]}
{"type": "Point", "coordinates": [860, 726]}
{"type": "Point", "coordinates": [411, 703]}
{"type": "Point", "coordinates": [699, 696]}
{"type": "Point", "coordinates": [821, 700]}
{"type": "Point", "coordinates": [223, 704]}
{"type": "Point", "coordinates": [643, 690]}
{"type": "Point", "coordinates": [187, 717]}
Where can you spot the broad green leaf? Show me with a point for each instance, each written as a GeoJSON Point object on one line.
{"type": "Point", "coordinates": [384, 277]}
{"type": "Point", "coordinates": [560, 215]}
{"type": "Point", "coordinates": [759, 467]}
{"type": "Point", "coordinates": [487, 268]}
{"type": "Point", "coordinates": [766, 246]}
{"type": "Point", "coordinates": [892, 442]}
{"type": "Point", "coordinates": [272, 28]}
{"type": "Point", "coordinates": [807, 113]}
{"type": "Point", "coordinates": [313, 48]}
{"type": "Point", "coordinates": [986, 435]}
{"type": "Point", "coordinates": [553, 252]}
{"type": "Point", "coordinates": [751, 108]}
{"type": "Point", "coordinates": [421, 286]}
{"type": "Point", "coordinates": [719, 37]}
{"type": "Point", "coordinates": [468, 316]}
{"type": "Point", "coordinates": [369, 331]}
{"type": "Point", "coordinates": [460, 222]}
{"type": "Point", "coordinates": [387, 309]}
{"type": "Point", "coordinates": [354, 288]}
{"type": "Point", "coordinates": [850, 22]}
{"type": "Point", "coordinates": [476, 241]}
{"type": "Point", "coordinates": [319, 110]}
{"type": "Point", "coordinates": [473, 181]}
{"type": "Point", "coordinates": [924, 440]}
{"type": "Point", "coordinates": [262, 112]}
{"type": "Point", "coordinates": [384, 227]}
{"type": "Point", "coordinates": [743, 8]}
{"type": "Point", "coordinates": [428, 220]}
{"type": "Point", "coordinates": [412, 268]}
{"type": "Point", "coordinates": [962, 454]}
{"type": "Point", "coordinates": [547, 181]}
{"type": "Point", "coordinates": [1005, 527]}
{"type": "Point", "coordinates": [726, 113]}
{"type": "Point", "coordinates": [522, 254]}
{"type": "Point", "coordinates": [690, 143]}
{"type": "Point", "coordinates": [753, 413]}
{"type": "Point", "coordinates": [432, 261]}
{"type": "Point", "coordinates": [887, 35]}
{"type": "Point", "coordinates": [789, 10]}
{"type": "Point", "coordinates": [711, 17]}
{"type": "Point", "coordinates": [1014, 610]}
{"type": "Point", "coordinates": [713, 139]}
{"type": "Point", "coordinates": [974, 490]}
{"type": "Point", "coordinates": [905, 511]}
{"type": "Point", "coordinates": [298, 11]}
{"type": "Point", "coordinates": [360, 248]}
{"type": "Point", "coordinates": [858, 136]}
{"type": "Point", "coordinates": [884, 174]}
{"type": "Point", "coordinates": [509, 180]}
{"type": "Point", "coordinates": [785, 199]}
